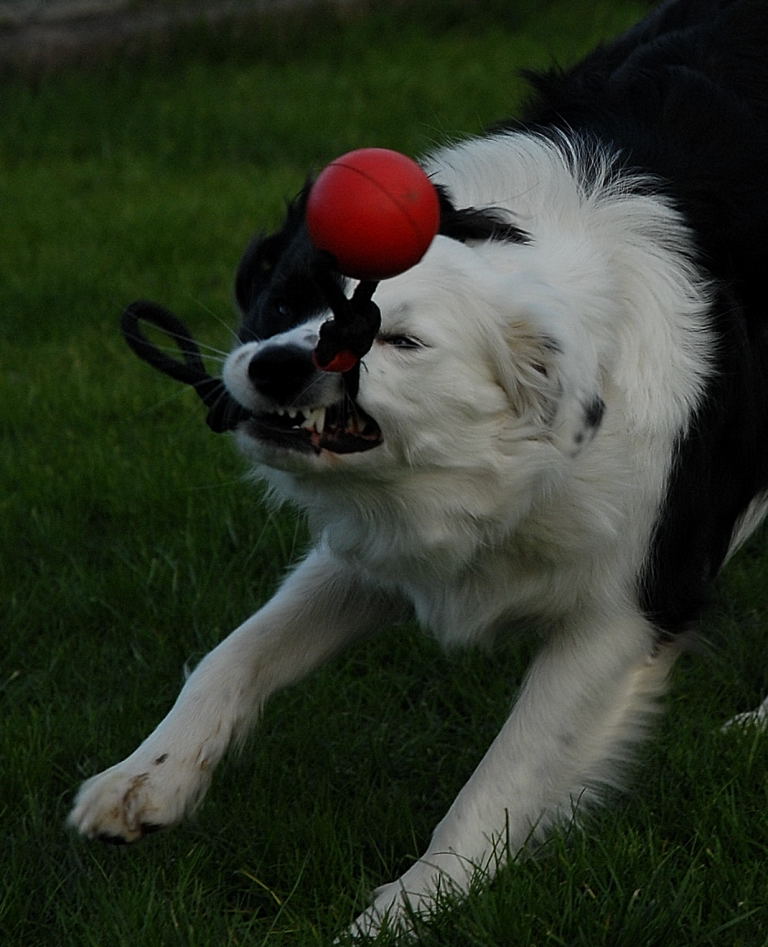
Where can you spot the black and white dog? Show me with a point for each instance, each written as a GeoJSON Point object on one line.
{"type": "Point", "coordinates": [564, 419]}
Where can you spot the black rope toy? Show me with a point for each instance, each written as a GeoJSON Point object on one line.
{"type": "Point", "coordinates": [371, 214]}
{"type": "Point", "coordinates": [344, 340]}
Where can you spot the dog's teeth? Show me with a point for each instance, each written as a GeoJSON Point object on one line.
{"type": "Point", "coordinates": [291, 413]}
{"type": "Point", "coordinates": [314, 420]}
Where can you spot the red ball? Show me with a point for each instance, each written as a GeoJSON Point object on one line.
{"type": "Point", "coordinates": [375, 210]}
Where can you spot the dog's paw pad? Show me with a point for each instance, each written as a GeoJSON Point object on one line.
{"type": "Point", "coordinates": [108, 839]}
{"type": "Point", "coordinates": [146, 828]}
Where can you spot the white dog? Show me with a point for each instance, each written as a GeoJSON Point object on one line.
{"type": "Point", "coordinates": [563, 419]}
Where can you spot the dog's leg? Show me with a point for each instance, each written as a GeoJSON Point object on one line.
{"type": "Point", "coordinates": [586, 697]}
{"type": "Point", "coordinates": [320, 608]}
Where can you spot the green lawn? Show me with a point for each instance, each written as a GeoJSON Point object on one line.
{"type": "Point", "coordinates": [131, 543]}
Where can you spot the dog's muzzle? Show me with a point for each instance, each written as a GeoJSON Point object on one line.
{"type": "Point", "coordinates": [301, 407]}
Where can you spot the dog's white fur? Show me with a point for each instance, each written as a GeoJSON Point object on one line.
{"type": "Point", "coordinates": [489, 500]}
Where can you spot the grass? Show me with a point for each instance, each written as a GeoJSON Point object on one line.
{"type": "Point", "coordinates": [130, 544]}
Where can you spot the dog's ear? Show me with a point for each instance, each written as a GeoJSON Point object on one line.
{"type": "Point", "coordinates": [474, 224]}
{"type": "Point", "coordinates": [264, 251]}
{"type": "Point", "coordinates": [255, 268]}
{"type": "Point", "coordinates": [527, 370]}
{"type": "Point", "coordinates": [552, 385]}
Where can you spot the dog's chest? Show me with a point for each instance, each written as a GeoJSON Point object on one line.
{"type": "Point", "coordinates": [463, 582]}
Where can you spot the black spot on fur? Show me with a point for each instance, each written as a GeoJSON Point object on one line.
{"type": "Point", "coordinates": [593, 415]}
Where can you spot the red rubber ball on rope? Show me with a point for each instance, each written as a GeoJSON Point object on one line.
{"type": "Point", "coordinates": [375, 210]}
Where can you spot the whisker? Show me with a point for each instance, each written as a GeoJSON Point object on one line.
{"type": "Point", "coordinates": [212, 352]}
{"type": "Point", "coordinates": [222, 397]}
{"type": "Point", "coordinates": [159, 403]}
{"type": "Point", "coordinates": [217, 317]}
{"type": "Point", "coordinates": [212, 356]}
{"type": "Point", "coordinates": [304, 391]}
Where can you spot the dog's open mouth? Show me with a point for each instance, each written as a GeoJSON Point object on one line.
{"type": "Point", "coordinates": [342, 428]}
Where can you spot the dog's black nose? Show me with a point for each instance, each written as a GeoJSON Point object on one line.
{"type": "Point", "coordinates": [281, 372]}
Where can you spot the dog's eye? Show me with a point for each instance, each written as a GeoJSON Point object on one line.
{"type": "Point", "coordinates": [401, 341]}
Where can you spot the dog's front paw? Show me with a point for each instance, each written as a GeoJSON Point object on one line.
{"type": "Point", "coordinates": [396, 908]}
{"type": "Point", "coordinates": [425, 889]}
{"type": "Point", "coordinates": [138, 796]}
{"type": "Point", "coordinates": [389, 910]}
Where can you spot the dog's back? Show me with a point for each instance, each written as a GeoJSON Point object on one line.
{"type": "Point", "coordinates": [684, 95]}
